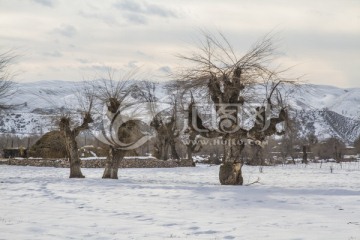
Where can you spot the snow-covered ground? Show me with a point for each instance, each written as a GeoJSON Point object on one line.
{"type": "Point", "coordinates": [290, 202]}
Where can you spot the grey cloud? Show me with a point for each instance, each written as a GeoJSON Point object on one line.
{"type": "Point", "coordinates": [315, 42]}
{"type": "Point", "coordinates": [144, 8]}
{"type": "Point", "coordinates": [100, 68]}
{"type": "Point", "coordinates": [132, 64]}
{"type": "Point", "coordinates": [142, 54]}
{"type": "Point", "coordinates": [131, 6]}
{"type": "Point", "coordinates": [107, 19]}
{"type": "Point", "coordinates": [56, 54]}
{"type": "Point", "coordinates": [83, 61]}
{"type": "Point", "coordinates": [66, 30]}
{"type": "Point", "coordinates": [157, 10]}
{"type": "Point", "coordinates": [47, 3]}
{"type": "Point", "coordinates": [135, 18]}
{"type": "Point", "coordinates": [165, 69]}
{"type": "Point", "coordinates": [96, 68]}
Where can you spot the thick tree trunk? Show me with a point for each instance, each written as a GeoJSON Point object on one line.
{"type": "Point", "coordinates": [112, 163]}
{"type": "Point", "coordinates": [189, 152]}
{"type": "Point", "coordinates": [230, 169]}
{"type": "Point", "coordinates": [230, 174]}
{"type": "Point", "coordinates": [162, 152]}
{"type": "Point", "coordinates": [304, 160]}
{"type": "Point", "coordinates": [162, 149]}
{"type": "Point", "coordinates": [72, 149]}
{"type": "Point", "coordinates": [75, 164]}
{"type": "Point", "coordinates": [107, 170]}
{"type": "Point", "coordinates": [117, 157]}
{"type": "Point", "coordinates": [174, 153]}
{"type": "Point", "coordinates": [257, 155]}
{"type": "Point", "coordinates": [165, 151]}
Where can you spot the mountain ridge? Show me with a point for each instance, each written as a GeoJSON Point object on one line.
{"type": "Point", "coordinates": [325, 110]}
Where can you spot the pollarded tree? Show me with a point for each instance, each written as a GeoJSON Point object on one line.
{"type": "Point", "coordinates": [113, 94]}
{"type": "Point", "coordinates": [70, 131]}
{"type": "Point", "coordinates": [290, 140]}
{"type": "Point", "coordinates": [122, 131]}
{"type": "Point", "coordinates": [167, 131]}
{"type": "Point", "coordinates": [232, 85]}
{"type": "Point", "coordinates": [165, 121]}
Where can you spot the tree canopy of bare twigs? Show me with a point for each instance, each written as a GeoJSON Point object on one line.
{"type": "Point", "coordinates": [215, 66]}
{"type": "Point", "coordinates": [113, 92]}
{"type": "Point", "coordinates": [7, 86]}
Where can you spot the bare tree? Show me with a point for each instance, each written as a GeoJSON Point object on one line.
{"type": "Point", "coordinates": [121, 132]}
{"type": "Point", "coordinates": [164, 121]}
{"type": "Point", "coordinates": [167, 133]}
{"type": "Point", "coordinates": [70, 131]}
{"type": "Point", "coordinates": [331, 148]}
{"type": "Point", "coordinates": [290, 140]}
{"type": "Point", "coordinates": [232, 83]}
{"type": "Point", "coordinates": [166, 136]}
{"type": "Point", "coordinates": [309, 143]}
{"type": "Point", "coordinates": [7, 86]}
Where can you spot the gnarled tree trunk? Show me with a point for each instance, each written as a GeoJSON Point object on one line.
{"type": "Point", "coordinates": [174, 154]}
{"type": "Point", "coordinates": [161, 149]}
{"type": "Point", "coordinates": [75, 163]}
{"type": "Point", "coordinates": [164, 150]}
{"type": "Point", "coordinates": [189, 152]}
{"type": "Point", "coordinates": [230, 169]}
{"type": "Point", "coordinates": [71, 148]}
{"type": "Point", "coordinates": [128, 132]}
{"type": "Point", "coordinates": [112, 163]}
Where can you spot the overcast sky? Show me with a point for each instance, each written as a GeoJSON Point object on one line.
{"type": "Point", "coordinates": [75, 40]}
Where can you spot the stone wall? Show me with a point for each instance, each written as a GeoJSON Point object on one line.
{"type": "Point", "coordinates": [98, 163]}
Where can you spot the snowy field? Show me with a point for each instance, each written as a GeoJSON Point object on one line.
{"type": "Point", "coordinates": [289, 202]}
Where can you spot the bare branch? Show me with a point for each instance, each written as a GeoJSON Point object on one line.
{"type": "Point", "coordinates": [7, 86]}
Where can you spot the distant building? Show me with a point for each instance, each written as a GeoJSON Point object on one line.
{"type": "Point", "coordinates": [15, 152]}
{"type": "Point", "coordinates": [350, 151]}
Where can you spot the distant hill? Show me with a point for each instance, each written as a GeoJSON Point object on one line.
{"type": "Point", "coordinates": [323, 110]}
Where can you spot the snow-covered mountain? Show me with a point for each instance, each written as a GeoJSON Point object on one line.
{"type": "Point", "coordinates": [327, 111]}
{"type": "Point", "coordinates": [323, 110]}
{"type": "Point", "coordinates": [344, 101]}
